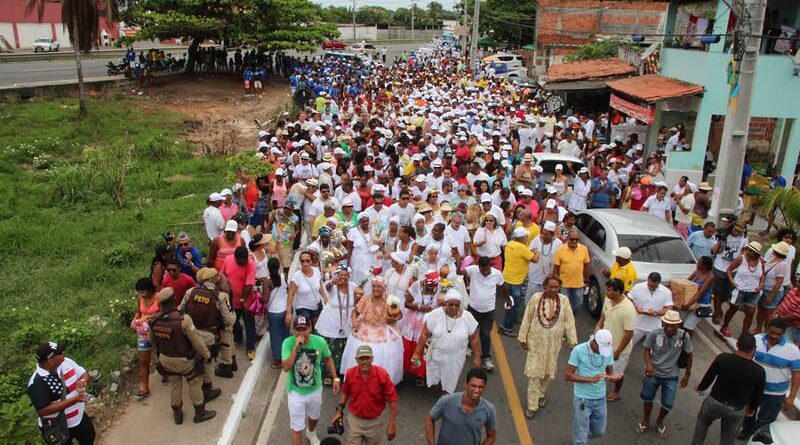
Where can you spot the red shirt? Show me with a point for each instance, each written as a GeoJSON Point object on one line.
{"type": "Point", "coordinates": [184, 283]}
{"type": "Point", "coordinates": [789, 309]}
{"type": "Point", "coordinates": [368, 396]}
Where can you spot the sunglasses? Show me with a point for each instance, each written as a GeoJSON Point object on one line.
{"type": "Point", "coordinates": [305, 261]}
{"type": "Point", "coordinates": [184, 244]}
{"type": "Point", "coordinates": [172, 270]}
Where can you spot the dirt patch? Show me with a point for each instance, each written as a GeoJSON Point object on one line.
{"type": "Point", "coordinates": [223, 118]}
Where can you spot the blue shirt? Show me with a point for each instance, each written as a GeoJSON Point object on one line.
{"type": "Point", "coordinates": [197, 260]}
{"type": "Point", "coordinates": [700, 245]}
{"type": "Point", "coordinates": [601, 194]}
{"type": "Point", "coordinates": [780, 181]}
{"type": "Point", "coordinates": [588, 364]}
{"type": "Point", "coordinates": [779, 362]}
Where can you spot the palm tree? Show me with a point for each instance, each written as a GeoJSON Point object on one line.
{"type": "Point", "coordinates": [80, 18]}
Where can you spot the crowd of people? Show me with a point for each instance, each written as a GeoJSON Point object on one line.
{"type": "Point", "coordinates": [403, 206]}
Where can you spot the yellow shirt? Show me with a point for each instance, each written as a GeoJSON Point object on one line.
{"type": "Point", "coordinates": [625, 273]}
{"type": "Point", "coordinates": [570, 265]}
{"type": "Point", "coordinates": [410, 169]}
{"type": "Point", "coordinates": [533, 231]}
{"type": "Point", "coordinates": [518, 257]}
{"type": "Point", "coordinates": [321, 220]}
{"type": "Point", "coordinates": [618, 319]}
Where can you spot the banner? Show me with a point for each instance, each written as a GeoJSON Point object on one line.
{"type": "Point", "coordinates": [642, 113]}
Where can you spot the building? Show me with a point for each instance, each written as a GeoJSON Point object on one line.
{"type": "Point", "coordinates": [774, 136]}
{"type": "Point", "coordinates": [563, 25]}
{"type": "Point", "coordinates": [19, 29]}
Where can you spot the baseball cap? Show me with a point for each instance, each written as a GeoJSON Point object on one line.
{"type": "Point", "coordinates": [48, 350]}
{"type": "Point", "coordinates": [549, 225]}
{"type": "Point", "coordinates": [214, 197]}
{"type": "Point", "coordinates": [551, 204]}
{"type": "Point", "coordinates": [300, 322]}
{"type": "Point", "coordinates": [519, 232]}
{"type": "Point", "coordinates": [231, 226]}
{"type": "Point", "coordinates": [604, 342]}
{"type": "Point", "coordinates": [623, 252]}
{"type": "Point", "coordinates": [364, 351]}
{"type": "Point", "coordinates": [166, 294]}
{"type": "Point", "coordinates": [486, 197]}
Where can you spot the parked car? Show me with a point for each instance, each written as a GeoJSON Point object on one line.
{"type": "Point", "coordinates": [525, 82]}
{"type": "Point", "coordinates": [779, 432]}
{"type": "Point", "coordinates": [41, 44]}
{"type": "Point", "coordinates": [333, 44]}
{"type": "Point", "coordinates": [363, 47]}
{"type": "Point", "coordinates": [548, 161]}
{"type": "Point", "coordinates": [655, 245]}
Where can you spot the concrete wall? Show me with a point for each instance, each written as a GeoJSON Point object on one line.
{"type": "Point", "coordinates": [405, 34]}
{"type": "Point", "coordinates": [362, 32]}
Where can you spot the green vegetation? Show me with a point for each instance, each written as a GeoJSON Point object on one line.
{"type": "Point", "coordinates": [603, 49]}
{"type": "Point", "coordinates": [82, 204]}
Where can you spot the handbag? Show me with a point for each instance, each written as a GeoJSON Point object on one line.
{"type": "Point", "coordinates": [55, 430]}
{"type": "Point", "coordinates": [256, 306]}
{"type": "Point", "coordinates": [683, 359]}
{"type": "Point", "coordinates": [703, 311]}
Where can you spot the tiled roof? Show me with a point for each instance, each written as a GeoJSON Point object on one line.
{"type": "Point", "coordinates": [654, 87]}
{"type": "Point", "coordinates": [588, 69]}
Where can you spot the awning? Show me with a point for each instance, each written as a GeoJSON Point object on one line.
{"type": "Point", "coordinates": [576, 85]}
{"type": "Point", "coordinates": [654, 87]}
{"type": "Point", "coordinates": [589, 69]}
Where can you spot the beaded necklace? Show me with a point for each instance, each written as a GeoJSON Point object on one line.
{"type": "Point", "coordinates": [548, 321]}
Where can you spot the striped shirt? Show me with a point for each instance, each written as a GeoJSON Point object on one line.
{"type": "Point", "coordinates": [45, 388]}
{"type": "Point", "coordinates": [779, 362]}
{"type": "Point", "coordinates": [789, 308]}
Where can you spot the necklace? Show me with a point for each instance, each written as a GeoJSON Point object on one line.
{"type": "Point", "coordinates": [343, 308]}
{"type": "Point", "coordinates": [546, 253]}
{"type": "Point", "coordinates": [448, 325]}
{"type": "Point", "coordinates": [592, 355]}
{"type": "Point", "coordinates": [548, 320]}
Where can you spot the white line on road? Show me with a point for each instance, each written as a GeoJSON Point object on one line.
{"type": "Point", "coordinates": [242, 397]}
{"type": "Point", "coordinates": [272, 413]}
{"type": "Point", "coordinates": [63, 68]}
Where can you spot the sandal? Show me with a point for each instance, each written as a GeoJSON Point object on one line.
{"type": "Point", "coordinates": [726, 332]}
{"type": "Point", "coordinates": [529, 414]}
{"type": "Point", "coordinates": [141, 395]}
{"type": "Point", "coordinates": [640, 428]}
{"type": "Point", "coordinates": [662, 431]}
{"type": "Point", "coordinates": [276, 365]}
{"type": "Point", "coordinates": [542, 402]}
{"type": "Point", "coordinates": [327, 381]}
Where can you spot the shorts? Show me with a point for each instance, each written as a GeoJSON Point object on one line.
{"type": "Point", "coordinates": [749, 299]}
{"type": "Point", "coordinates": [669, 389]}
{"type": "Point", "coordinates": [257, 84]}
{"type": "Point", "coordinates": [143, 344]}
{"type": "Point", "coordinates": [722, 286]}
{"type": "Point", "coordinates": [302, 406]}
{"type": "Point", "coordinates": [285, 255]}
{"type": "Point", "coordinates": [621, 363]}
{"type": "Point", "coordinates": [247, 84]}
{"type": "Point", "coordinates": [775, 301]}
{"type": "Point", "coordinates": [690, 319]}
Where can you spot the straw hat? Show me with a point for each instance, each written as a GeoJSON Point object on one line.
{"type": "Point", "coordinates": [672, 317]}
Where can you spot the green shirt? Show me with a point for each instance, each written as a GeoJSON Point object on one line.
{"type": "Point", "coordinates": [305, 376]}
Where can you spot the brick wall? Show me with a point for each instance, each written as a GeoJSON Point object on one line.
{"type": "Point", "coordinates": [761, 129]}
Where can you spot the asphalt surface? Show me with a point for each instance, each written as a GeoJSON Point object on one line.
{"type": "Point", "coordinates": [553, 423]}
{"type": "Point", "coordinates": [62, 70]}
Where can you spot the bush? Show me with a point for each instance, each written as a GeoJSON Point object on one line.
{"type": "Point", "coordinates": [122, 255]}
{"type": "Point", "coordinates": [113, 164]}
{"type": "Point", "coordinates": [73, 183]}
{"type": "Point", "coordinates": [30, 335]}
{"type": "Point", "coordinates": [18, 423]}
{"type": "Point", "coordinates": [161, 148]}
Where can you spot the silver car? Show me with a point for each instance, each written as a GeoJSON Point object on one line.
{"type": "Point", "coordinates": [655, 245]}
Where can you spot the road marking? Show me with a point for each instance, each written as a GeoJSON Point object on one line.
{"type": "Point", "coordinates": [63, 68]}
{"type": "Point", "coordinates": [272, 412]}
{"type": "Point", "coordinates": [520, 422]}
{"type": "Point", "coordinates": [242, 397]}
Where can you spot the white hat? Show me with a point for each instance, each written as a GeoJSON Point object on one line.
{"type": "Point", "coordinates": [486, 197]}
{"type": "Point", "coordinates": [279, 171]}
{"type": "Point", "coordinates": [623, 252]}
{"type": "Point", "coordinates": [275, 150]}
{"type": "Point", "coordinates": [527, 192]}
{"type": "Point", "coordinates": [549, 225]}
{"type": "Point", "coordinates": [437, 163]}
{"type": "Point", "coordinates": [416, 157]}
{"type": "Point", "coordinates": [378, 189]}
{"type": "Point", "coordinates": [362, 215]}
{"type": "Point", "coordinates": [312, 182]}
{"type": "Point", "coordinates": [347, 202]}
{"type": "Point", "coordinates": [214, 197]}
{"type": "Point", "coordinates": [420, 178]}
{"type": "Point", "coordinates": [583, 170]}
{"type": "Point", "coordinates": [237, 187]}
{"type": "Point", "coordinates": [519, 232]}
{"type": "Point", "coordinates": [399, 256]}
{"type": "Point", "coordinates": [559, 167]}
{"type": "Point", "coordinates": [262, 133]}
{"type": "Point", "coordinates": [231, 226]}
{"type": "Point", "coordinates": [538, 169]}
{"type": "Point", "coordinates": [305, 155]}
{"type": "Point", "coordinates": [453, 294]}
{"type": "Point", "coordinates": [551, 204]}
{"type": "Point", "coordinates": [551, 190]}
{"type": "Point", "coordinates": [604, 342]}
{"type": "Point", "coordinates": [262, 144]}
{"type": "Point", "coordinates": [226, 192]}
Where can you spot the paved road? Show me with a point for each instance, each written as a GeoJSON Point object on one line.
{"type": "Point", "coordinates": [553, 423]}
{"type": "Point", "coordinates": [59, 70]}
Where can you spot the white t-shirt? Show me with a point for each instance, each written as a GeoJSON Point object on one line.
{"type": "Point", "coordinates": [539, 270]}
{"type": "Point", "coordinates": [308, 294]}
{"type": "Point", "coordinates": [642, 298]}
{"type": "Point", "coordinates": [494, 242]}
{"type": "Point", "coordinates": [215, 223]}
{"type": "Point", "coordinates": [483, 290]}
{"type": "Point", "coordinates": [658, 208]}
{"type": "Point", "coordinates": [688, 202]}
{"type": "Point", "coordinates": [730, 250]}
{"type": "Point", "coordinates": [566, 147]}
{"type": "Point", "coordinates": [277, 298]}
{"type": "Point", "coordinates": [457, 238]}
{"type": "Point", "coordinates": [406, 214]}
{"type": "Point", "coordinates": [789, 260]}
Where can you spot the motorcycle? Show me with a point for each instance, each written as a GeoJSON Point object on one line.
{"type": "Point", "coordinates": [115, 69]}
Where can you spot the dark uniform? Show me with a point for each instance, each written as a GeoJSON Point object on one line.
{"type": "Point", "coordinates": [181, 353]}
{"type": "Point", "coordinates": [211, 312]}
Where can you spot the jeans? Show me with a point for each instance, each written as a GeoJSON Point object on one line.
{"type": "Point", "coordinates": [83, 432]}
{"type": "Point", "coordinates": [249, 328]}
{"type": "Point", "coordinates": [575, 295]}
{"type": "Point", "coordinates": [588, 419]}
{"type": "Point", "coordinates": [485, 322]}
{"type": "Point", "coordinates": [669, 388]}
{"type": "Point", "coordinates": [278, 331]}
{"type": "Point", "coordinates": [730, 418]}
{"type": "Point", "coordinates": [767, 413]}
{"type": "Point", "coordinates": [517, 292]}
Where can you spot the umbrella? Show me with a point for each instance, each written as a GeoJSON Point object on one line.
{"type": "Point", "coordinates": [486, 41]}
{"type": "Point", "coordinates": [529, 47]}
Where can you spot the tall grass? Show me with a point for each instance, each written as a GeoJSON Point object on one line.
{"type": "Point", "coordinates": [75, 235]}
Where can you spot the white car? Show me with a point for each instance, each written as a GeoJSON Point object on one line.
{"type": "Point", "coordinates": [548, 161]}
{"type": "Point", "coordinates": [363, 47]}
{"type": "Point", "coordinates": [41, 44]}
{"type": "Point", "coordinates": [779, 433]}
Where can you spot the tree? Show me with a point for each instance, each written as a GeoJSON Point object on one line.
{"type": "Point", "coordinates": [274, 25]}
{"type": "Point", "coordinates": [402, 17]}
{"type": "Point", "coordinates": [336, 14]}
{"type": "Point", "coordinates": [81, 19]}
{"type": "Point", "coordinates": [374, 15]}
{"type": "Point", "coordinates": [603, 49]}
{"type": "Point", "coordinates": [435, 14]}
{"type": "Point", "coordinates": [509, 21]}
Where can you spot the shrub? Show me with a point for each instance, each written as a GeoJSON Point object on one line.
{"type": "Point", "coordinates": [121, 255]}
{"type": "Point", "coordinates": [73, 183]}
{"type": "Point", "coordinates": [18, 423]}
{"type": "Point", "coordinates": [112, 164]}
{"type": "Point", "coordinates": [249, 163]}
{"type": "Point", "coordinates": [30, 335]}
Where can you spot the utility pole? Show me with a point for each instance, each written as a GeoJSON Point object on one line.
{"type": "Point", "coordinates": [354, 21]}
{"type": "Point", "coordinates": [413, 7]}
{"type": "Point", "coordinates": [749, 27]}
{"type": "Point", "coordinates": [473, 47]}
{"type": "Point", "coordinates": [464, 38]}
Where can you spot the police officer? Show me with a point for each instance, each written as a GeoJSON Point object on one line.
{"type": "Point", "coordinates": [181, 353]}
{"type": "Point", "coordinates": [210, 309]}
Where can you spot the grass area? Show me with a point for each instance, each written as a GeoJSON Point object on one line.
{"type": "Point", "coordinates": [82, 205]}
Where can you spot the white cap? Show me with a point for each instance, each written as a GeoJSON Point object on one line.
{"type": "Point", "coordinates": [362, 215]}
{"type": "Point", "coordinates": [559, 167]}
{"type": "Point", "coordinates": [347, 202]}
{"type": "Point", "coordinates": [420, 178]}
{"type": "Point", "coordinates": [551, 190]}
{"type": "Point", "coordinates": [305, 155]}
{"type": "Point", "coordinates": [527, 192]}
{"type": "Point", "coordinates": [486, 197]}
{"type": "Point", "coordinates": [226, 192]}
{"type": "Point", "coordinates": [538, 168]}
{"type": "Point", "coordinates": [231, 226]}
{"type": "Point", "coordinates": [551, 204]}
{"type": "Point", "coordinates": [604, 342]}
{"type": "Point", "coordinates": [262, 144]}
{"type": "Point", "coordinates": [416, 157]}
{"type": "Point", "coordinates": [623, 252]}
{"type": "Point", "coordinates": [262, 133]}
{"type": "Point", "coordinates": [519, 232]}
{"type": "Point", "coordinates": [549, 225]}
{"type": "Point", "coordinates": [214, 197]}
{"type": "Point", "coordinates": [583, 170]}
{"type": "Point", "coordinates": [279, 171]}
{"type": "Point", "coordinates": [437, 163]}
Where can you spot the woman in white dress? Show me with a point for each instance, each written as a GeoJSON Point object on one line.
{"type": "Point", "coordinates": [335, 321]}
{"type": "Point", "coordinates": [580, 191]}
{"type": "Point", "coordinates": [448, 331]}
{"type": "Point", "coordinates": [375, 325]}
{"type": "Point", "coordinates": [306, 293]}
{"type": "Point", "coordinates": [400, 275]}
{"type": "Point", "coordinates": [360, 244]}
{"type": "Point", "coordinates": [420, 299]}
{"type": "Point", "coordinates": [489, 241]}
{"type": "Point", "coordinates": [388, 243]}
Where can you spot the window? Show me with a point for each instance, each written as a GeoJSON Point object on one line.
{"type": "Point", "coordinates": [583, 222]}
{"type": "Point", "coordinates": [597, 234]}
{"type": "Point", "coordinates": [657, 249]}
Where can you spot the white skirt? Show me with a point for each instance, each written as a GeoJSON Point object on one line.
{"type": "Point", "coordinates": [387, 355]}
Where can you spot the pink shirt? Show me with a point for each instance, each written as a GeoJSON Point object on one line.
{"type": "Point", "coordinates": [228, 211]}
{"type": "Point", "coordinates": [180, 286]}
{"type": "Point", "coordinates": [238, 277]}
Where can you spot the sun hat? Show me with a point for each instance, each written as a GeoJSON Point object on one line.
{"type": "Point", "coordinates": [672, 317]}
{"type": "Point", "coordinates": [704, 186]}
{"type": "Point", "coordinates": [755, 246]}
{"type": "Point", "coordinates": [781, 248]}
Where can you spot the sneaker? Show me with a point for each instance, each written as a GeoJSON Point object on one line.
{"type": "Point", "coordinates": [312, 437]}
{"type": "Point", "coordinates": [251, 355]}
{"type": "Point", "coordinates": [488, 364]}
{"type": "Point", "coordinates": [726, 332]}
